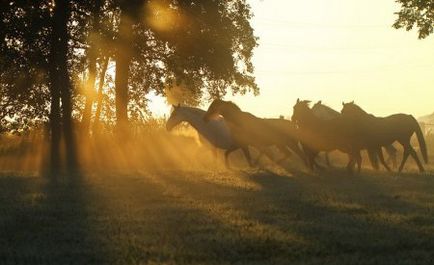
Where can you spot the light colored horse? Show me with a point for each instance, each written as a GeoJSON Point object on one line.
{"type": "Point", "coordinates": [216, 132]}
{"type": "Point", "coordinates": [324, 112]}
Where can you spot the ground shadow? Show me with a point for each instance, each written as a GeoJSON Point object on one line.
{"type": "Point", "coordinates": [46, 223]}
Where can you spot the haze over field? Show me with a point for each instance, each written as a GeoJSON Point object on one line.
{"type": "Point", "coordinates": [99, 164]}
{"type": "Point", "coordinates": [335, 50]}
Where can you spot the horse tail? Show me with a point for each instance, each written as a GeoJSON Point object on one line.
{"type": "Point", "coordinates": [421, 140]}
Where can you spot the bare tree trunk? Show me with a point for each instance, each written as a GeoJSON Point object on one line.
{"type": "Point", "coordinates": [55, 127]}
{"type": "Point", "coordinates": [92, 59]}
{"type": "Point", "coordinates": [62, 83]}
{"type": "Point", "coordinates": [123, 59]}
{"type": "Point", "coordinates": [100, 95]}
{"type": "Point", "coordinates": [90, 94]}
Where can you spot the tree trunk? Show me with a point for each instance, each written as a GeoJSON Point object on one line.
{"type": "Point", "coordinates": [123, 59]}
{"type": "Point", "coordinates": [61, 84]}
{"type": "Point", "coordinates": [92, 58]}
{"type": "Point", "coordinates": [100, 95]}
{"type": "Point", "coordinates": [55, 161]}
{"type": "Point", "coordinates": [90, 93]}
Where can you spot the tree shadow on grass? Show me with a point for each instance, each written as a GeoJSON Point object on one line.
{"type": "Point", "coordinates": [366, 218]}
{"type": "Point", "coordinates": [189, 217]}
{"type": "Point", "coordinates": [305, 219]}
{"type": "Point", "coordinates": [45, 223]}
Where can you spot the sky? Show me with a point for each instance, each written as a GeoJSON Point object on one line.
{"type": "Point", "coordinates": [334, 51]}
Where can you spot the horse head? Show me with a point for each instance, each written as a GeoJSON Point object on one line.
{"type": "Point", "coordinates": [300, 109]}
{"type": "Point", "coordinates": [213, 110]}
{"type": "Point", "coordinates": [318, 104]}
{"type": "Point", "coordinates": [351, 109]}
{"type": "Point", "coordinates": [175, 117]}
{"type": "Point", "coordinates": [220, 107]}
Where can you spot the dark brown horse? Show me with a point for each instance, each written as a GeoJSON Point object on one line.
{"type": "Point", "coordinates": [326, 113]}
{"type": "Point", "coordinates": [326, 135]}
{"type": "Point", "coordinates": [379, 131]}
{"type": "Point", "coordinates": [249, 130]}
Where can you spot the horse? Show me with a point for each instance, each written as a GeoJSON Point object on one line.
{"type": "Point", "coordinates": [216, 132]}
{"type": "Point", "coordinates": [383, 131]}
{"type": "Point", "coordinates": [326, 113]}
{"type": "Point", "coordinates": [249, 130]}
{"type": "Point", "coordinates": [326, 135]}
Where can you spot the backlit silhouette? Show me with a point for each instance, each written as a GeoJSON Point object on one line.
{"type": "Point", "coordinates": [378, 131]}
{"type": "Point", "coordinates": [249, 130]}
{"type": "Point", "coordinates": [215, 132]}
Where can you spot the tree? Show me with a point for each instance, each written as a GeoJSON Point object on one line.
{"type": "Point", "coordinates": [416, 13]}
{"type": "Point", "coordinates": [205, 45]}
{"type": "Point", "coordinates": [48, 48]}
{"type": "Point", "coordinates": [61, 87]}
{"type": "Point", "coordinates": [24, 47]}
{"type": "Point", "coordinates": [36, 68]}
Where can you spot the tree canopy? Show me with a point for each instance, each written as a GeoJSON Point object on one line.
{"type": "Point", "coordinates": [416, 13]}
{"type": "Point", "coordinates": [205, 45]}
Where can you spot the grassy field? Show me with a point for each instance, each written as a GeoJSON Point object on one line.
{"type": "Point", "coordinates": [218, 217]}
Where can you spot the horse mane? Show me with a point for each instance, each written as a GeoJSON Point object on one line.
{"type": "Point", "coordinates": [354, 105]}
{"type": "Point", "coordinates": [193, 109]}
{"type": "Point", "coordinates": [321, 105]}
{"type": "Point", "coordinates": [232, 105]}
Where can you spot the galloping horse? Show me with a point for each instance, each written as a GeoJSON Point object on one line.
{"type": "Point", "coordinates": [378, 131]}
{"type": "Point", "coordinates": [326, 135]}
{"type": "Point", "coordinates": [215, 132]}
{"type": "Point", "coordinates": [249, 130]}
{"type": "Point", "coordinates": [326, 113]}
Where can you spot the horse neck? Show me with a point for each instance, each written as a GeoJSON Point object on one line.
{"type": "Point", "coordinates": [230, 113]}
{"type": "Point", "coordinates": [323, 111]}
{"type": "Point", "coordinates": [311, 120]}
{"type": "Point", "coordinates": [361, 114]}
{"type": "Point", "coordinates": [194, 118]}
{"type": "Point", "coordinates": [331, 111]}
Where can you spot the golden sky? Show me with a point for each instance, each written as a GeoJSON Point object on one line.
{"type": "Point", "coordinates": [336, 50]}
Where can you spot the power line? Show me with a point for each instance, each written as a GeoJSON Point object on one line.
{"type": "Point", "coordinates": [385, 68]}
{"type": "Point", "coordinates": [317, 24]}
{"type": "Point", "coordinates": [305, 47]}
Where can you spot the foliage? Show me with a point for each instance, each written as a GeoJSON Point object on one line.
{"type": "Point", "coordinates": [204, 45]}
{"type": "Point", "coordinates": [419, 13]}
{"type": "Point", "coordinates": [24, 49]}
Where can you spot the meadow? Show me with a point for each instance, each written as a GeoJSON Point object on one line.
{"type": "Point", "coordinates": [194, 211]}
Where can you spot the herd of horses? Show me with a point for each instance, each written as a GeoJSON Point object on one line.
{"type": "Point", "coordinates": [310, 131]}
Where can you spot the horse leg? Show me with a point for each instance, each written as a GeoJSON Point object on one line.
{"type": "Point", "coordinates": [310, 157]}
{"type": "Point", "coordinates": [263, 151]}
{"type": "Point", "coordinates": [261, 154]}
{"type": "Point", "coordinates": [350, 165]}
{"type": "Point", "coordinates": [372, 154]}
{"type": "Point", "coordinates": [215, 153]}
{"type": "Point", "coordinates": [416, 158]}
{"type": "Point", "coordinates": [381, 157]}
{"type": "Point", "coordinates": [404, 157]}
{"type": "Point", "coordinates": [227, 152]}
{"type": "Point", "coordinates": [293, 145]}
{"type": "Point", "coordinates": [327, 159]}
{"type": "Point", "coordinates": [359, 161]}
{"type": "Point", "coordinates": [391, 151]}
{"type": "Point", "coordinates": [285, 151]}
{"type": "Point", "coordinates": [247, 155]}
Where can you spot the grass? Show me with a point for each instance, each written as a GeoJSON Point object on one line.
{"type": "Point", "coordinates": [218, 217]}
